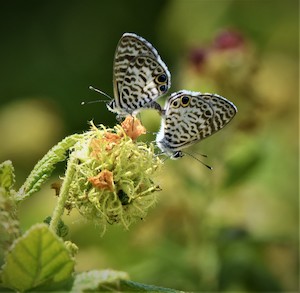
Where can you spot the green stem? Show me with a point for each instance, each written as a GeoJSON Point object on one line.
{"type": "Point", "coordinates": [63, 195]}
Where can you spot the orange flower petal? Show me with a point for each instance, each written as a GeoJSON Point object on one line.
{"type": "Point", "coordinates": [104, 180]}
{"type": "Point", "coordinates": [111, 139]}
{"type": "Point", "coordinates": [95, 145]}
{"type": "Point", "coordinates": [133, 127]}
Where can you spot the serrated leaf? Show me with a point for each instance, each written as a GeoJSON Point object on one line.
{"type": "Point", "coordinates": [9, 223]}
{"type": "Point", "coordinates": [114, 281]}
{"type": "Point", "coordinates": [44, 168]}
{"type": "Point", "coordinates": [130, 286]}
{"type": "Point", "coordinates": [39, 256]}
{"type": "Point", "coordinates": [98, 280]}
{"type": "Point", "coordinates": [62, 229]}
{"type": "Point", "coordinates": [7, 175]}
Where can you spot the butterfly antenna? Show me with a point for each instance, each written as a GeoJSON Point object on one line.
{"type": "Point", "coordinates": [202, 155]}
{"type": "Point", "coordinates": [162, 154]}
{"type": "Point", "coordinates": [97, 101]}
{"type": "Point", "coordinates": [165, 159]}
{"type": "Point", "coordinates": [100, 92]}
{"type": "Point", "coordinates": [207, 166]}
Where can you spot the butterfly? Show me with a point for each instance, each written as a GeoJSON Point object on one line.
{"type": "Point", "coordinates": [189, 117]}
{"type": "Point", "coordinates": [139, 76]}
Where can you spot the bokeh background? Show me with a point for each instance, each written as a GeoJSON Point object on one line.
{"type": "Point", "coordinates": [235, 228]}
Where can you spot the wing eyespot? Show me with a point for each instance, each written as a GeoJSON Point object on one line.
{"type": "Point", "coordinates": [185, 101]}
{"type": "Point", "coordinates": [162, 78]}
{"type": "Point", "coordinates": [175, 104]}
{"type": "Point", "coordinates": [163, 88]}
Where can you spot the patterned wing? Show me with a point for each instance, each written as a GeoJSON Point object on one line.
{"type": "Point", "coordinates": [190, 117]}
{"type": "Point", "coordinates": [139, 76]}
{"type": "Point", "coordinates": [224, 111]}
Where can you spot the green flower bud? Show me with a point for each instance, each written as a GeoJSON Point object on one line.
{"type": "Point", "coordinates": [113, 181]}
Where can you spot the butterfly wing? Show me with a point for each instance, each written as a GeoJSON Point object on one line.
{"type": "Point", "coordinates": [145, 81]}
{"type": "Point", "coordinates": [139, 76]}
{"type": "Point", "coordinates": [186, 120]}
{"type": "Point", "coordinates": [224, 111]}
{"type": "Point", "coordinates": [190, 117]}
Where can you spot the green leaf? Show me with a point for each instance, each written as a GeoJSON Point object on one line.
{"type": "Point", "coordinates": [9, 223]}
{"type": "Point", "coordinates": [98, 280]}
{"type": "Point", "coordinates": [130, 286]}
{"type": "Point", "coordinates": [44, 168]}
{"type": "Point", "coordinates": [7, 175]}
{"type": "Point", "coordinates": [109, 280]}
{"type": "Point", "coordinates": [62, 229]}
{"type": "Point", "coordinates": [39, 256]}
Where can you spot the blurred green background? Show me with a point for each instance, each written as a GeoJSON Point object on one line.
{"type": "Point", "coordinates": [235, 228]}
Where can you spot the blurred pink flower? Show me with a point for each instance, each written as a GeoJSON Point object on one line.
{"type": "Point", "coordinates": [229, 39]}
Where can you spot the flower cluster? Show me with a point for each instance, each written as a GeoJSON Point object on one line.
{"type": "Point", "coordinates": [226, 64]}
{"type": "Point", "coordinates": [113, 178]}
{"type": "Point", "coordinates": [229, 46]}
{"type": "Point", "coordinates": [229, 64]}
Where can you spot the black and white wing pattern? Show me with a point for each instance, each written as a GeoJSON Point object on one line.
{"type": "Point", "coordinates": [189, 117]}
{"type": "Point", "coordinates": [139, 76]}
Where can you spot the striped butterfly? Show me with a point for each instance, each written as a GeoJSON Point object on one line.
{"type": "Point", "coordinates": [140, 77]}
{"type": "Point", "coordinates": [189, 117]}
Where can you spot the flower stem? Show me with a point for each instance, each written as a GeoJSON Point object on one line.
{"type": "Point", "coordinates": [63, 195]}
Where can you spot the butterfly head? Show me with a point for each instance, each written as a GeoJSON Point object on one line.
{"type": "Point", "coordinates": [177, 155]}
{"type": "Point", "coordinates": [121, 113]}
{"type": "Point", "coordinates": [111, 106]}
